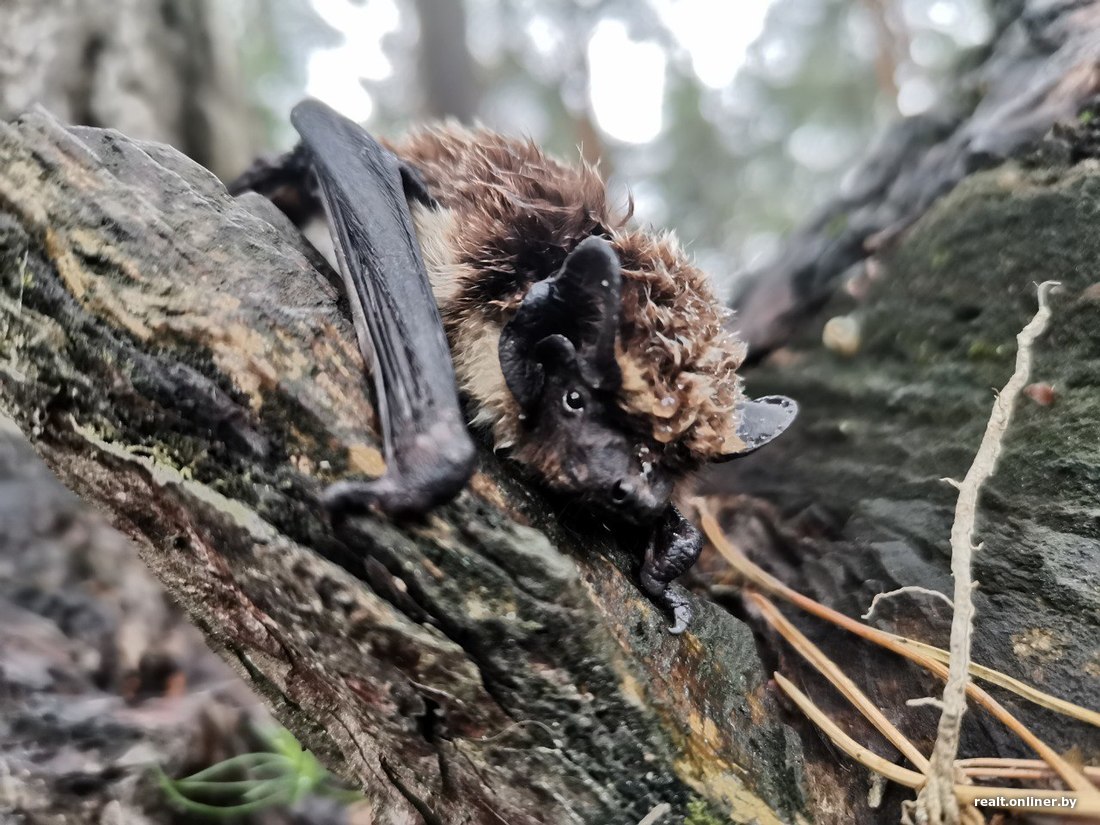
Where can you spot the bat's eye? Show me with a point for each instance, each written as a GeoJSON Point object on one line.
{"type": "Point", "coordinates": [573, 401]}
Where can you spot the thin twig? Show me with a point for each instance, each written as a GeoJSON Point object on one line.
{"type": "Point", "coordinates": [519, 723]}
{"type": "Point", "coordinates": [840, 680]}
{"type": "Point", "coordinates": [659, 812]}
{"type": "Point", "coordinates": [925, 702]}
{"type": "Point", "coordinates": [909, 588]}
{"type": "Point", "coordinates": [911, 649]}
{"type": "Point", "coordinates": [979, 762]}
{"type": "Point", "coordinates": [937, 803]}
{"type": "Point", "coordinates": [1006, 773]}
{"type": "Point", "coordinates": [900, 645]}
{"type": "Point", "coordinates": [865, 756]}
{"type": "Point", "coordinates": [1084, 807]}
{"type": "Point", "coordinates": [1007, 768]}
{"type": "Point", "coordinates": [1009, 683]}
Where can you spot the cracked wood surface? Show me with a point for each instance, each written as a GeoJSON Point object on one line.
{"type": "Point", "coordinates": [177, 359]}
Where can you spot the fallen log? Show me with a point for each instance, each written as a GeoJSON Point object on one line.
{"type": "Point", "coordinates": [178, 359]}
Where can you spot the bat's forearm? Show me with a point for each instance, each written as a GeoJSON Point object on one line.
{"type": "Point", "coordinates": [429, 453]}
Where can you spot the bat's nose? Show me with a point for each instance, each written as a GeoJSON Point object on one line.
{"type": "Point", "coordinates": [636, 499]}
{"type": "Point", "coordinates": [620, 492]}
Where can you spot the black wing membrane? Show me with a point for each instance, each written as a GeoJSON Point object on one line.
{"type": "Point", "coordinates": [762, 420]}
{"type": "Point", "coordinates": [429, 453]}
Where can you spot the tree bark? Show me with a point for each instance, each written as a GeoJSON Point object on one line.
{"type": "Point", "coordinates": [862, 505]}
{"type": "Point", "coordinates": [178, 359]}
{"type": "Point", "coordinates": [175, 358]}
{"type": "Point", "coordinates": [445, 66]}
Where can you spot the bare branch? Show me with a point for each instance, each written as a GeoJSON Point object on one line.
{"type": "Point", "coordinates": [937, 803]}
{"type": "Point", "coordinates": [910, 588]}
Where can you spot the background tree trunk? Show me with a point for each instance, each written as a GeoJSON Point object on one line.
{"type": "Point", "coordinates": [164, 71]}
{"type": "Point", "coordinates": [444, 63]}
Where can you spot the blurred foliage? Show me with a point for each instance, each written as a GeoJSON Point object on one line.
{"type": "Point", "coordinates": [735, 163]}
{"type": "Point", "coordinates": [280, 776]}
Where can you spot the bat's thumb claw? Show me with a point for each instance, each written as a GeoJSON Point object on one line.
{"type": "Point", "coordinates": [681, 618]}
{"type": "Point", "coordinates": [397, 494]}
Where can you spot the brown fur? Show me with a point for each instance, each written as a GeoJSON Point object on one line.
{"type": "Point", "coordinates": [513, 214]}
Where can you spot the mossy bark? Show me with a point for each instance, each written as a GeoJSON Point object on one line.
{"type": "Point", "coordinates": [863, 505]}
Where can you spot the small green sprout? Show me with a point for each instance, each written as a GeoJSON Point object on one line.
{"type": "Point", "coordinates": [280, 776]}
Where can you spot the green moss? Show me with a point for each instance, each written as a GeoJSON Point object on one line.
{"type": "Point", "coordinates": [699, 814]}
{"type": "Point", "coordinates": [980, 350]}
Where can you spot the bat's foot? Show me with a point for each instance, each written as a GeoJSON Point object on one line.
{"type": "Point", "coordinates": [425, 474]}
{"type": "Point", "coordinates": [671, 599]}
{"type": "Point", "coordinates": [673, 548]}
{"type": "Point", "coordinates": [285, 181]}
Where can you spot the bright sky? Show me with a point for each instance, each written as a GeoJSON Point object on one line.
{"type": "Point", "coordinates": [627, 77]}
{"type": "Point", "coordinates": [333, 75]}
{"type": "Point", "coordinates": [626, 83]}
{"type": "Point", "coordinates": [716, 35]}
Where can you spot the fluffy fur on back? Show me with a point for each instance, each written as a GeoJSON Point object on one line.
{"type": "Point", "coordinates": [509, 214]}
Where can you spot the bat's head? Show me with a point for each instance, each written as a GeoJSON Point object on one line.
{"type": "Point", "coordinates": [563, 358]}
{"type": "Point", "coordinates": [619, 366]}
{"type": "Point", "coordinates": [558, 358]}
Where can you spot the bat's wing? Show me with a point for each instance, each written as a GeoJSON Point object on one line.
{"type": "Point", "coordinates": [429, 453]}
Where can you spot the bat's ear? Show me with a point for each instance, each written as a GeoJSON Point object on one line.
{"type": "Point", "coordinates": [760, 421]}
{"type": "Point", "coordinates": [578, 309]}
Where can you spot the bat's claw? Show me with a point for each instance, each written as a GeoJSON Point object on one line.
{"type": "Point", "coordinates": [673, 600]}
{"type": "Point", "coordinates": [673, 548]}
{"type": "Point", "coordinates": [682, 614]}
{"type": "Point", "coordinates": [396, 497]}
{"type": "Point", "coordinates": [682, 617]}
{"type": "Point", "coordinates": [350, 498]}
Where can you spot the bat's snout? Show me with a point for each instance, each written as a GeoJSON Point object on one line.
{"type": "Point", "coordinates": [637, 500]}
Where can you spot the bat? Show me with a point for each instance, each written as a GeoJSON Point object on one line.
{"type": "Point", "coordinates": [495, 289]}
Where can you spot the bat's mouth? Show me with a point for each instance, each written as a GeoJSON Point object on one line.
{"type": "Point", "coordinates": [627, 498]}
{"type": "Point", "coordinates": [626, 508]}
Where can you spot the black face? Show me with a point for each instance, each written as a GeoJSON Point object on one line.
{"type": "Point", "coordinates": [558, 357]}
{"type": "Point", "coordinates": [580, 443]}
